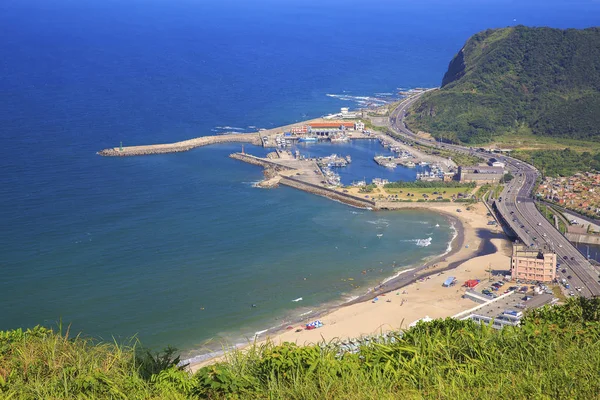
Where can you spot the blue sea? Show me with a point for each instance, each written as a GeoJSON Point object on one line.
{"type": "Point", "coordinates": [177, 248]}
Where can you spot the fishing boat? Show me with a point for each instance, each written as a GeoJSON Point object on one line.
{"type": "Point", "coordinates": [308, 139]}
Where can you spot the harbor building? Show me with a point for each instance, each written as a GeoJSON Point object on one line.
{"type": "Point", "coordinates": [359, 126]}
{"type": "Point", "coordinates": [347, 114]}
{"type": "Point", "coordinates": [299, 130]}
{"type": "Point", "coordinates": [327, 128]}
{"type": "Point", "coordinates": [533, 265]}
{"type": "Point", "coordinates": [481, 173]}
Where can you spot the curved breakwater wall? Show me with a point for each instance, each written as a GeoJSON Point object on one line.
{"type": "Point", "coordinates": [178, 147]}
{"type": "Point", "coordinates": [332, 194]}
{"type": "Point", "coordinates": [306, 186]}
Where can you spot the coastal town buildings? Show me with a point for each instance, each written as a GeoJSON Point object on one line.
{"type": "Point", "coordinates": [345, 113]}
{"type": "Point", "coordinates": [299, 130]}
{"type": "Point", "coordinates": [580, 192]}
{"type": "Point", "coordinates": [329, 127]}
{"type": "Point", "coordinates": [533, 265]}
{"type": "Point", "coordinates": [481, 174]}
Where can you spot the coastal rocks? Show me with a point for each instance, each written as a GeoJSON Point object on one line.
{"type": "Point", "coordinates": [269, 183]}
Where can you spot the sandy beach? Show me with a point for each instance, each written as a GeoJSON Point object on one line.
{"type": "Point", "coordinates": [477, 248]}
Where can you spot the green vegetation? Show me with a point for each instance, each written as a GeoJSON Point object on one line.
{"type": "Point", "coordinates": [517, 81]}
{"type": "Point", "coordinates": [547, 212]}
{"type": "Point", "coordinates": [555, 351]}
{"type": "Point", "coordinates": [528, 141]}
{"type": "Point", "coordinates": [562, 227]}
{"type": "Point", "coordinates": [507, 177]}
{"type": "Point", "coordinates": [560, 162]}
{"type": "Point", "coordinates": [483, 189]}
{"type": "Point", "coordinates": [430, 194]}
{"type": "Point", "coordinates": [496, 190]}
{"type": "Point", "coordinates": [369, 126]}
{"type": "Point", "coordinates": [427, 184]}
{"type": "Point", "coordinates": [460, 159]}
{"type": "Point", "coordinates": [42, 364]}
{"type": "Point", "coordinates": [368, 188]}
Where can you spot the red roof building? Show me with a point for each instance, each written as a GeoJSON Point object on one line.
{"type": "Point", "coordinates": [332, 124]}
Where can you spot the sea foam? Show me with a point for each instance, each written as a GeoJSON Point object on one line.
{"type": "Point", "coordinates": [423, 242]}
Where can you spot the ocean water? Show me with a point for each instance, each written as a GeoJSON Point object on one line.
{"type": "Point", "coordinates": [176, 248]}
{"type": "Point", "coordinates": [362, 165]}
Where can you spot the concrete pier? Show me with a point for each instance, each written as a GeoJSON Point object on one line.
{"type": "Point", "coordinates": [326, 192]}
{"type": "Point", "coordinates": [178, 147]}
{"type": "Point", "coordinates": [300, 174]}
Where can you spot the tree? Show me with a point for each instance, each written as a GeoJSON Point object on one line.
{"type": "Point", "coordinates": [507, 177]}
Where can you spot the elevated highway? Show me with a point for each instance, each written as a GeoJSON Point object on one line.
{"type": "Point", "coordinates": [516, 207]}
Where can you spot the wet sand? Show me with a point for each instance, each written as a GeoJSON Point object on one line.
{"type": "Point", "coordinates": [414, 294]}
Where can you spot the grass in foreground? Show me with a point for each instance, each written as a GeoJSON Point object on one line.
{"type": "Point", "coordinates": [554, 355]}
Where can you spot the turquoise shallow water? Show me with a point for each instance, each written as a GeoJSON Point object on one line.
{"type": "Point", "coordinates": [176, 248]}
{"type": "Point", "coordinates": [182, 245]}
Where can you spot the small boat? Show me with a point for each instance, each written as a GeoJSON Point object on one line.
{"type": "Point", "coordinates": [308, 139]}
{"type": "Point", "coordinates": [379, 234]}
{"type": "Point", "coordinates": [297, 300]}
{"type": "Point", "coordinates": [437, 225]}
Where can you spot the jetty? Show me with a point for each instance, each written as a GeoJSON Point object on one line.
{"type": "Point", "coordinates": [300, 173]}
{"type": "Point", "coordinates": [179, 147]}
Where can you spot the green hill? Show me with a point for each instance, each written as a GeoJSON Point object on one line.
{"type": "Point", "coordinates": [531, 80]}
{"type": "Point", "coordinates": [554, 354]}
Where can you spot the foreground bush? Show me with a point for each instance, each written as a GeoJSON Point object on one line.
{"type": "Point", "coordinates": [554, 354]}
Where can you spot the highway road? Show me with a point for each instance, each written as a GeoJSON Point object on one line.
{"type": "Point", "coordinates": [516, 206]}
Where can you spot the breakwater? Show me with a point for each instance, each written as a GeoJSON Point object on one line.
{"type": "Point", "coordinates": [285, 179]}
{"type": "Point", "coordinates": [179, 147]}
{"type": "Point", "coordinates": [250, 159]}
{"type": "Point", "coordinates": [329, 193]}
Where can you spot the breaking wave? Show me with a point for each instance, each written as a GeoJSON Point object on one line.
{"type": "Point", "coordinates": [423, 242]}
{"type": "Point", "coordinates": [380, 222]}
{"type": "Point", "coordinates": [361, 100]}
{"type": "Point", "coordinates": [229, 128]}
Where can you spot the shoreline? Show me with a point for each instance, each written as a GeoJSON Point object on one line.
{"type": "Point", "coordinates": [398, 280]}
{"type": "Point", "coordinates": [468, 232]}
{"type": "Point", "coordinates": [472, 239]}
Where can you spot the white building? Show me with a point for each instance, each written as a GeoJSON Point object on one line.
{"type": "Point", "coordinates": [347, 114]}
{"type": "Point", "coordinates": [359, 126]}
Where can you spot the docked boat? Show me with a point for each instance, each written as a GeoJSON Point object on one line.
{"type": "Point", "coordinates": [308, 139]}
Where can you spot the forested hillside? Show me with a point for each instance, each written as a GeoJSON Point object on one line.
{"type": "Point", "coordinates": [532, 80]}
